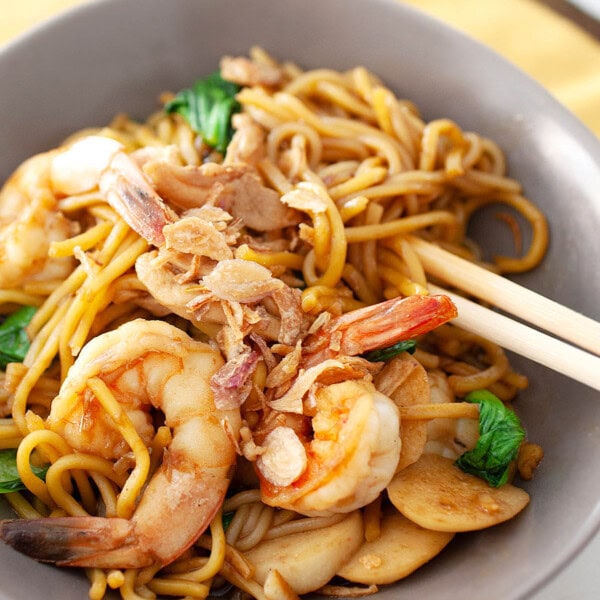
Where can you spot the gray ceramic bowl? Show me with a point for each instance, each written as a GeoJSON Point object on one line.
{"type": "Point", "coordinates": [118, 55]}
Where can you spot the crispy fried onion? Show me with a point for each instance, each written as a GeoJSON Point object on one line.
{"type": "Point", "coordinates": [232, 383]}
{"type": "Point", "coordinates": [238, 280]}
{"type": "Point", "coordinates": [325, 373]}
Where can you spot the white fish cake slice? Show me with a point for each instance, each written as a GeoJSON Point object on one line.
{"type": "Point", "coordinates": [405, 381]}
{"type": "Point", "coordinates": [401, 548]}
{"type": "Point", "coordinates": [308, 560]}
{"type": "Point", "coordinates": [435, 494]}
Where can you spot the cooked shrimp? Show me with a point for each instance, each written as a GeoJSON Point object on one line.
{"type": "Point", "coordinates": [145, 364]}
{"type": "Point", "coordinates": [29, 222]}
{"type": "Point", "coordinates": [355, 445]}
{"type": "Point", "coordinates": [180, 274]}
{"type": "Point", "coordinates": [351, 458]}
{"type": "Point", "coordinates": [378, 326]}
{"type": "Point", "coordinates": [232, 287]}
{"type": "Point", "coordinates": [29, 215]}
{"type": "Point", "coordinates": [100, 162]}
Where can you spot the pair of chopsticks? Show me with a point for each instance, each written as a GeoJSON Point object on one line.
{"type": "Point", "coordinates": [575, 362]}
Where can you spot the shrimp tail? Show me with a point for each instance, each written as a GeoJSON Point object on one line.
{"type": "Point", "coordinates": [131, 195]}
{"type": "Point", "coordinates": [161, 528]}
{"type": "Point", "coordinates": [74, 541]}
{"type": "Point", "coordinates": [378, 326]}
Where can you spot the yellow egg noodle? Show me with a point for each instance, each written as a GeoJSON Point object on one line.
{"type": "Point", "coordinates": [197, 379]}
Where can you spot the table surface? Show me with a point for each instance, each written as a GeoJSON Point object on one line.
{"type": "Point", "coordinates": [573, 77]}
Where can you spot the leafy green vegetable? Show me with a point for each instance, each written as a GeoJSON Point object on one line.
{"type": "Point", "coordinates": [500, 436]}
{"type": "Point", "coordinates": [14, 341]}
{"type": "Point", "coordinates": [207, 106]}
{"type": "Point", "coordinates": [9, 475]}
{"type": "Point", "coordinates": [391, 351]}
{"type": "Point", "coordinates": [227, 518]}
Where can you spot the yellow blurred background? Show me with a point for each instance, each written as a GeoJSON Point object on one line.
{"type": "Point", "coordinates": [561, 55]}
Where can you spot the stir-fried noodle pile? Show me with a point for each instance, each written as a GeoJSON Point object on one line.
{"type": "Point", "coordinates": [199, 384]}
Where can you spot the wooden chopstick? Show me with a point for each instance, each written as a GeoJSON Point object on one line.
{"type": "Point", "coordinates": [531, 343]}
{"type": "Point", "coordinates": [508, 296]}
